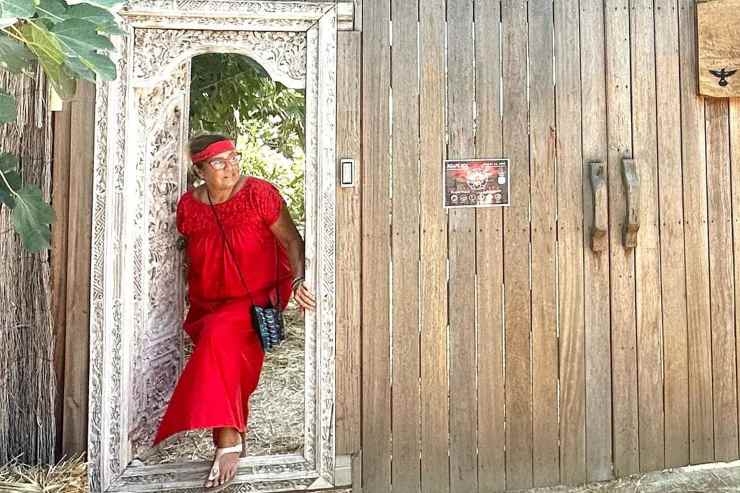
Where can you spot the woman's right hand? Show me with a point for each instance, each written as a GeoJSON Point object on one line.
{"type": "Point", "coordinates": [304, 297]}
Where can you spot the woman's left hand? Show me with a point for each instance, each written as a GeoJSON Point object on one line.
{"type": "Point", "coordinates": [304, 297]}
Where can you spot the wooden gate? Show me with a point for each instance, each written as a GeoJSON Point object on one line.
{"type": "Point", "coordinates": [492, 349]}
{"type": "Point", "coordinates": [497, 350]}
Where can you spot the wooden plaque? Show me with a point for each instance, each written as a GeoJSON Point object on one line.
{"type": "Point", "coordinates": [719, 47]}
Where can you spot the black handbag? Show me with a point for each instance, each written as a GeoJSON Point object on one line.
{"type": "Point", "coordinates": [267, 320]}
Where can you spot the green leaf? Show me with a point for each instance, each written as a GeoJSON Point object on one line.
{"type": "Point", "coordinates": [80, 37]}
{"type": "Point", "coordinates": [102, 18]}
{"type": "Point", "coordinates": [60, 77]}
{"type": "Point", "coordinates": [8, 162]}
{"type": "Point", "coordinates": [106, 4]}
{"type": "Point", "coordinates": [92, 64]}
{"type": "Point", "coordinates": [8, 111]}
{"type": "Point", "coordinates": [43, 43]}
{"type": "Point", "coordinates": [8, 166]}
{"type": "Point", "coordinates": [102, 65]}
{"type": "Point", "coordinates": [80, 40]}
{"type": "Point", "coordinates": [32, 217]}
{"type": "Point", "coordinates": [15, 181]}
{"type": "Point", "coordinates": [78, 68]}
{"type": "Point", "coordinates": [14, 56]}
{"type": "Point", "coordinates": [51, 58]}
{"type": "Point", "coordinates": [23, 9]}
{"type": "Point", "coordinates": [52, 10]}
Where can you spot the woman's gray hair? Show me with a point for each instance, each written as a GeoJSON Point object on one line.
{"type": "Point", "coordinates": [200, 142]}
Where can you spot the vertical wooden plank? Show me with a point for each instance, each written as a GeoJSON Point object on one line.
{"type": "Point", "coordinates": [696, 249]}
{"type": "Point", "coordinates": [358, 15]}
{"type": "Point", "coordinates": [461, 238]}
{"type": "Point", "coordinates": [435, 472]}
{"type": "Point", "coordinates": [76, 366]}
{"type": "Point", "coordinates": [672, 260]}
{"type": "Point", "coordinates": [721, 280]}
{"type": "Point", "coordinates": [647, 254]}
{"type": "Point", "coordinates": [376, 427]}
{"type": "Point", "coordinates": [356, 473]}
{"type": "Point", "coordinates": [596, 265]}
{"type": "Point", "coordinates": [489, 258]}
{"type": "Point", "coordinates": [59, 230]}
{"type": "Point", "coordinates": [622, 261]}
{"type": "Point", "coordinates": [348, 247]}
{"type": "Point", "coordinates": [569, 199]}
{"type": "Point", "coordinates": [405, 473]}
{"type": "Point", "coordinates": [546, 460]}
{"type": "Point", "coordinates": [516, 251]}
{"type": "Point", "coordinates": [735, 173]}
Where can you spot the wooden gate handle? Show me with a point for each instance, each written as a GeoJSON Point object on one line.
{"type": "Point", "coordinates": [632, 183]}
{"type": "Point", "coordinates": [599, 240]}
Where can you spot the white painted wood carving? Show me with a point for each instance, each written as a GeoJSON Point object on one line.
{"type": "Point", "coordinates": [137, 290]}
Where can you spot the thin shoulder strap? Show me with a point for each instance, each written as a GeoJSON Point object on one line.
{"type": "Point", "coordinates": [228, 247]}
{"type": "Point", "coordinates": [233, 257]}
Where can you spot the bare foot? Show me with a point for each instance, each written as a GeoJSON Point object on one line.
{"type": "Point", "coordinates": [227, 463]}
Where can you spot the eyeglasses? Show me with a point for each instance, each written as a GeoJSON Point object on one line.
{"type": "Point", "coordinates": [220, 163]}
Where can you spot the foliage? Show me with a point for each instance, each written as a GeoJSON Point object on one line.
{"type": "Point", "coordinates": [69, 42]}
{"type": "Point", "coordinates": [230, 92]}
{"type": "Point", "coordinates": [233, 95]}
{"type": "Point", "coordinates": [260, 160]}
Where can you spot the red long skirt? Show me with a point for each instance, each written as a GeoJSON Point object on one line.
{"type": "Point", "coordinates": [221, 374]}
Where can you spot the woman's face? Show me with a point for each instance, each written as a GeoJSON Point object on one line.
{"type": "Point", "coordinates": [227, 176]}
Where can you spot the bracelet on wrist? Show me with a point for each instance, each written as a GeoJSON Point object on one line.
{"type": "Point", "coordinates": [296, 282]}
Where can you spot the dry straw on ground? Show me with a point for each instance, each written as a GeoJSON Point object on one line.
{"type": "Point", "coordinates": [69, 476]}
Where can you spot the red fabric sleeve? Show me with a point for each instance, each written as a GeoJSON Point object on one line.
{"type": "Point", "coordinates": [267, 200]}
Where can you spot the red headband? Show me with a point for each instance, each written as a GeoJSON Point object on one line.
{"type": "Point", "coordinates": [212, 150]}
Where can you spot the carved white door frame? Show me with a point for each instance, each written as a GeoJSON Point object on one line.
{"type": "Point", "coordinates": [136, 300]}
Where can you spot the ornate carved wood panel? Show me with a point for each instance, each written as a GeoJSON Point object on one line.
{"type": "Point", "coordinates": [160, 130]}
{"type": "Point", "coordinates": [137, 295]}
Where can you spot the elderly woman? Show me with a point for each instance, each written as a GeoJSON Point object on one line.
{"type": "Point", "coordinates": [242, 248]}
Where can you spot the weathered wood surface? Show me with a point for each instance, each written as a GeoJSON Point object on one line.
{"type": "Point", "coordinates": [78, 270]}
{"type": "Point", "coordinates": [721, 280]}
{"type": "Point", "coordinates": [734, 109]}
{"type": "Point", "coordinates": [570, 243]}
{"type": "Point", "coordinates": [461, 241]}
{"type": "Point", "coordinates": [405, 294]}
{"type": "Point", "coordinates": [622, 261]}
{"type": "Point", "coordinates": [358, 14]}
{"type": "Point", "coordinates": [672, 257]}
{"type": "Point", "coordinates": [59, 232]}
{"type": "Point", "coordinates": [568, 364]}
{"type": "Point", "coordinates": [349, 265]}
{"type": "Point", "coordinates": [376, 252]}
{"type": "Point", "coordinates": [599, 456]}
{"type": "Point", "coordinates": [642, 176]}
{"type": "Point", "coordinates": [435, 464]}
{"type": "Point", "coordinates": [543, 186]}
{"type": "Point", "coordinates": [718, 28]}
{"type": "Point", "coordinates": [490, 262]}
{"type": "Point", "coordinates": [701, 432]}
{"type": "Point", "coordinates": [517, 310]}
